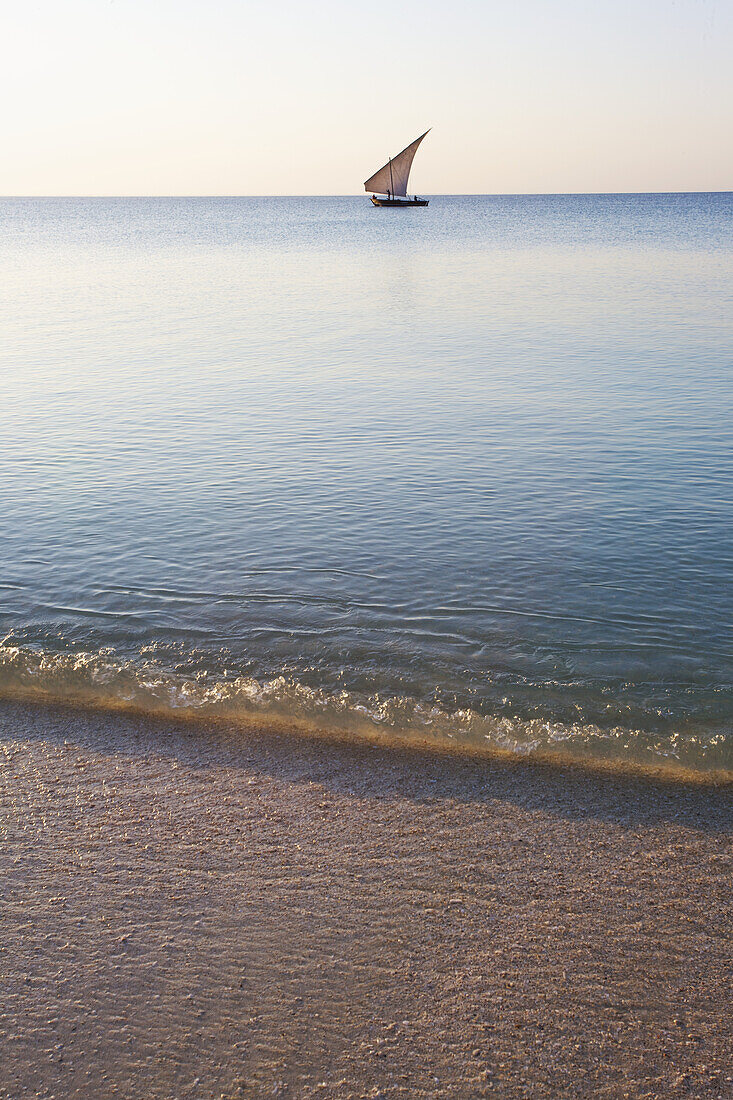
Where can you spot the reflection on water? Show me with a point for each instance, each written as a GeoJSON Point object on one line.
{"type": "Point", "coordinates": [475, 458]}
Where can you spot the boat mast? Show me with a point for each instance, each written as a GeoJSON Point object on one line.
{"type": "Point", "coordinates": [391, 181]}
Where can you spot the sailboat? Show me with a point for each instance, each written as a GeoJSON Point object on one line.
{"type": "Point", "coordinates": [390, 182]}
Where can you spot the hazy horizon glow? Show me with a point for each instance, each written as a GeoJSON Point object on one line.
{"type": "Point", "coordinates": [135, 98]}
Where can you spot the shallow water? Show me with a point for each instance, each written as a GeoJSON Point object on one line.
{"type": "Point", "coordinates": [462, 471]}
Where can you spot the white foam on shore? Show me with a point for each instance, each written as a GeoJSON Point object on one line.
{"type": "Point", "coordinates": [103, 679]}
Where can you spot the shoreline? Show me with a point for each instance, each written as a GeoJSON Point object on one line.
{"type": "Point", "coordinates": [194, 908]}
{"type": "Point", "coordinates": [562, 755]}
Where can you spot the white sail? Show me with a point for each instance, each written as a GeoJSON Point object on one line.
{"type": "Point", "coordinates": [393, 177]}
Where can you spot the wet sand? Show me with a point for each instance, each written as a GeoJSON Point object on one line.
{"type": "Point", "coordinates": [196, 911]}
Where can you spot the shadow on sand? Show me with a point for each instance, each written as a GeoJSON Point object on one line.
{"type": "Point", "coordinates": [571, 790]}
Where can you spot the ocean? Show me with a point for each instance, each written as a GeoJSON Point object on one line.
{"type": "Point", "coordinates": [460, 473]}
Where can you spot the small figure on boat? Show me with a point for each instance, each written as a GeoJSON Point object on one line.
{"type": "Point", "coordinates": [391, 180]}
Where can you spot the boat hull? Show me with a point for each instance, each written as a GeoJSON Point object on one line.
{"type": "Point", "coordinates": [398, 203]}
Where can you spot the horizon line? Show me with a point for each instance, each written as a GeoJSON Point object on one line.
{"type": "Point", "coordinates": [358, 195]}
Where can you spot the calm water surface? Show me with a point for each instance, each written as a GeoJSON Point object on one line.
{"type": "Point", "coordinates": [463, 471]}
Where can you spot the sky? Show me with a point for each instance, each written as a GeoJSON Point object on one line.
{"type": "Point", "coordinates": [258, 97]}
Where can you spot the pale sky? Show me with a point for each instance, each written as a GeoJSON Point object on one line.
{"type": "Point", "coordinates": [257, 97]}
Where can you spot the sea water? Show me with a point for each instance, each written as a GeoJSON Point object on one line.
{"type": "Point", "coordinates": [460, 472]}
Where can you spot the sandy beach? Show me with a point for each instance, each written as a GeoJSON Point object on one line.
{"type": "Point", "coordinates": [203, 911]}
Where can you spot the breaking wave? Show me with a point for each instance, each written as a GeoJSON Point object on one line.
{"type": "Point", "coordinates": [101, 679]}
